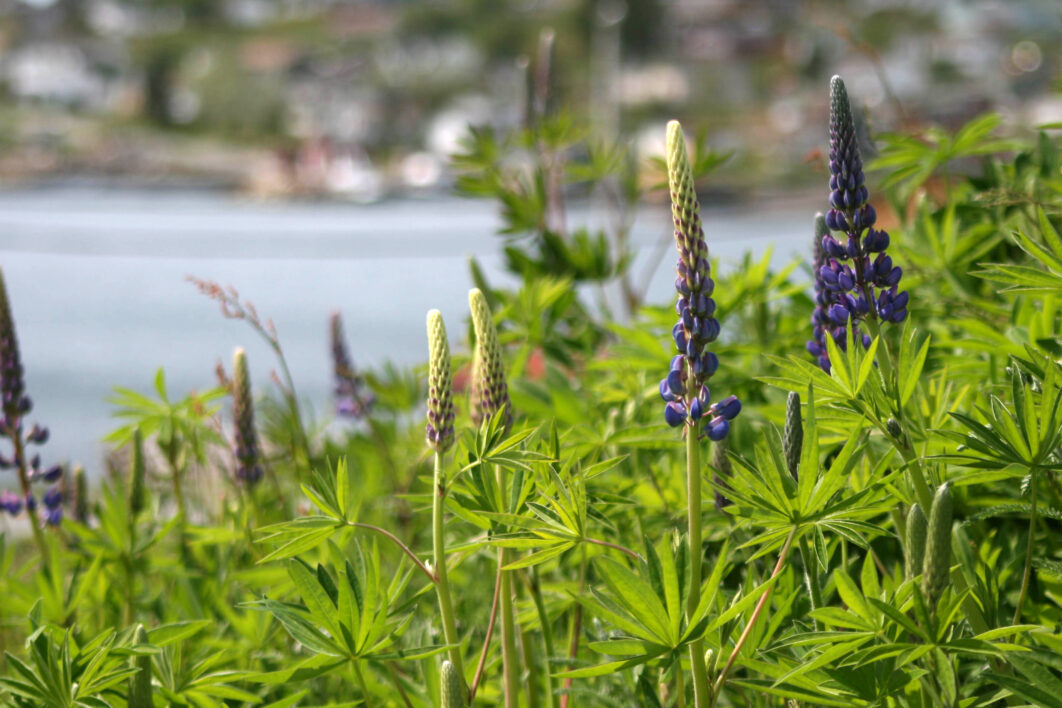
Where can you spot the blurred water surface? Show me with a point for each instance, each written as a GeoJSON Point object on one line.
{"type": "Point", "coordinates": [96, 279]}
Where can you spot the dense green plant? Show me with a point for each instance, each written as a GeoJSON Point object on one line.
{"type": "Point", "coordinates": [886, 511]}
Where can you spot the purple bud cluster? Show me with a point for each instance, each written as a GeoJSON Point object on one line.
{"type": "Point", "coordinates": [352, 399]}
{"type": "Point", "coordinates": [855, 280]}
{"type": "Point", "coordinates": [14, 405]}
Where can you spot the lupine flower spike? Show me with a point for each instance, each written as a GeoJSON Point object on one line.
{"type": "Point", "coordinates": [858, 284]}
{"type": "Point", "coordinates": [14, 405]}
{"type": "Point", "coordinates": [352, 397]}
{"type": "Point", "coordinates": [490, 393]}
{"type": "Point", "coordinates": [684, 389]}
{"type": "Point", "coordinates": [248, 460]}
{"type": "Point", "coordinates": [440, 426]}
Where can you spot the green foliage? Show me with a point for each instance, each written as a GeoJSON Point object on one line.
{"type": "Point", "coordinates": [825, 583]}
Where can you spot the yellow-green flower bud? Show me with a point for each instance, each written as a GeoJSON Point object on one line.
{"type": "Point", "coordinates": [915, 542]}
{"type": "Point", "coordinates": [937, 561]}
{"type": "Point", "coordinates": [451, 689]}
{"type": "Point", "coordinates": [490, 393]}
{"type": "Point", "coordinates": [440, 426]}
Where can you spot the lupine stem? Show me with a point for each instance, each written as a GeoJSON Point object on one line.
{"type": "Point", "coordinates": [398, 542]}
{"type": "Point", "coordinates": [31, 513]}
{"type": "Point", "coordinates": [486, 640]}
{"type": "Point", "coordinates": [576, 627]}
{"type": "Point", "coordinates": [755, 615]}
{"type": "Point", "coordinates": [701, 690]}
{"type": "Point", "coordinates": [360, 677]}
{"type": "Point", "coordinates": [505, 608]}
{"type": "Point", "coordinates": [680, 686]}
{"type": "Point", "coordinates": [442, 584]}
{"type": "Point", "coordinates": [811, 576]}
{"type": "Point", "coordinates": [1027, 572]}
{"type": "Point", "coordinates": [547, 631]}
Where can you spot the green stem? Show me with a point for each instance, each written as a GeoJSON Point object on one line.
{"type": "Point", "coordinates": [547, 632]}
{"type": "Point", "coordinates": [916, 474]}
{"type": "Point", "coordinates": [701, 690]}
{"type": "Point", "coordinates": [442, 585]}
{"type": "Point", "coordinates": [1027, 572]}
{"type": "Point", "coordinates": [576, 627]}
{"type": "Point", "coordinates": [811, 576]}
{"type": "Point", "coordinates": [360, 678]}
{"type": "Point", "coordinates": [31, 513]}
{"type": "Point", "coordinates": [755, 615]}
{"type": "Point", "coordinates": [508, 625]}
{"type": "Point", "coordinates": [680, 686]}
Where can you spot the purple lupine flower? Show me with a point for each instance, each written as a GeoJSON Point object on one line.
{"type": "Point", "coordinates": [684, 389]}
{"type": "Point", "coordinates": [852, 284]}
{"type": "Point", "coordinates": [352, 400]}
{"type": "Point", "coordinates": [53, 498]}
{"type": "Point", "coordinates": [10, 502]}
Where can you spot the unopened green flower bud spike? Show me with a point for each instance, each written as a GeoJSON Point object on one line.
{"type": "Point", "coordinates": [793, 442]}
{"type": "Point", "coordinates": [490, 394]}
{"type": "Point", "coordinates": [937, 560]}
{"type": "Point", "coordinates": [452, 687]}
{"type": "Point", "coordinates": [440, 437]}
{"type": "Point", "coordinates": [915, 541]}
{"type": "Point", "coordinates": [137, 490]}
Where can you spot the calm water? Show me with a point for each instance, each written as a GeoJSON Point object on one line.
{"type": "Point", "coordinates": [97, 283]}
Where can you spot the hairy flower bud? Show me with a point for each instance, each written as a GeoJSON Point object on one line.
{"type": "Point", "coordinates": [937, 561]}
{"type": "Point", "coordinates": [915, 541]}
{"type": "Point", "coordinates": [451, 688]}
{"type": "Point", "coordinates": [440, 425]}
{"type": "Point", "coordinates": [248, 460]}
{"type": "Point", "coordinates": [490, 393]}
{"type": "Point", "coordinates": [793, 441]}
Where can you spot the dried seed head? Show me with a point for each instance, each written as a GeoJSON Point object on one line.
{"type": "Point", "coordinates": [248, 460]}
{"type": "Point", "coordinates": [490, 393]}
{"type": "Point", "coordinates": [793, 442]}
{"type": "Point", "coordinates": [937, 561]}
{"type": "Point", "coordinates": [915, 541]}
{"type": "Point", "coordinates": [140, 682]}
{"type": "Point", "coordinates": [452, 688]}
{"type": "Point", "coordinates": [440, 426]}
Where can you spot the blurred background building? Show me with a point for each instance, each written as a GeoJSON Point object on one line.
{"type": "Point", "coordinates": [363, 98]}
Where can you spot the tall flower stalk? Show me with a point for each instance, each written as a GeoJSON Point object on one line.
{"type": "Point", "coordinates": [352, 399]}
{"type": "Point", "coordinates": [439, 432]}
{"type": "Point", "coordinates": [490, 396]}
{"type": "Point", "coordinates": [855, 276]}
{"type": "Point", "coordinates": [14, 405]}
{"type": "Point", "coordinates": [856, 283]}
{"type": "Point", "coordinates": [685, 388]}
